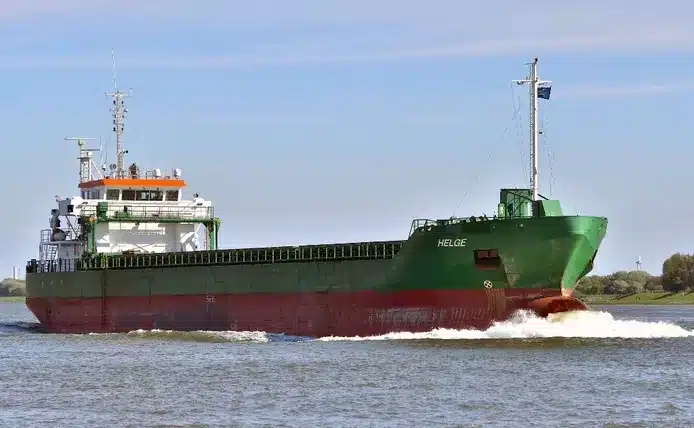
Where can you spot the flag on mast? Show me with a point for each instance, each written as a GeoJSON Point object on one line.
{"type": "Point", "coordinates": [544, 92]}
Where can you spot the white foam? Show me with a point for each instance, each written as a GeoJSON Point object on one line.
{"type": "Point", "coordinates": [202, 335]}
{"type": "Point", "coordinates": [524, 324]}
{"type": "Point", "coordinates": [199, 335]}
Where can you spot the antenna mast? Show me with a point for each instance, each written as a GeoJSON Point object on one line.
{"type": "Point", "coordinates": [535, 82]}
{"type": "Point", "coordinates": [119, 111]}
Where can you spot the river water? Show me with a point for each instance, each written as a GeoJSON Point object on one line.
{"type": "Point", "coordinates": [619, 366]}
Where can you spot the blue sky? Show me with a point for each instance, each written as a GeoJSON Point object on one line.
{"type": "Point", "coordinates": [310, 121]}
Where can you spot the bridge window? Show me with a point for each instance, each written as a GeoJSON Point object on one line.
{"type": "Point", "coordinates": [148, 195]}
{"type": "Point", "coordinates": [487, 259]}
{"type": "Point", "coordinates": [142, 195]}
{"type": "Point", "coordinates": [112, 194]}
{"type": "Point", "coordinates": [172, 195]}
{"type": "Point", "coordinates": [128, 195]}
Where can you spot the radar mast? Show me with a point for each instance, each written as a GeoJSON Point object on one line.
{"type": "Point", "coordinates": [119, 113]}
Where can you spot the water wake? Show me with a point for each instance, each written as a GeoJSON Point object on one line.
{"type": "Point", "coordinates": [19, 327]}
{"type": "Point", "coordinates": [524, 325]}
{"type": "Point", "coordinates": [215, 336]}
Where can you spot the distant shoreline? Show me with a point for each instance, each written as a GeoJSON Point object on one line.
{"type": "Point", "coordinates": [662, 298]}
{"type": "Point", "coordinates": [12, 289]}
{"type": "Point", "coordinates": [12, 298]}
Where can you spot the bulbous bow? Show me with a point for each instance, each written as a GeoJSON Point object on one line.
{"type": "Point", "coordinates": [555, 304]}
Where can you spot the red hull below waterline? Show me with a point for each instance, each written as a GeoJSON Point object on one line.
{"type": "Point", "coordinates": [301, 314]}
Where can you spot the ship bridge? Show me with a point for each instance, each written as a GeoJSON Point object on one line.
{"type": "Point", "coordinates": [127, 212]}
{"type": "Point", "coordinates": [120, 210]}
{"type": "Point", "coordinates": [154, 186]}
{"type": "Point", "coordinates": [150, 198]}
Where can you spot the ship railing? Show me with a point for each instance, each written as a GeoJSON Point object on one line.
{"type": "Point", "coordinates": [122, 211]}
{"type": "Point", "coordinates": [57, 265]}
{"type": "Point", "coordinates": [47, 236]}
{"type": "Point", "coordinates": [303, 254]}
{"type": "Point", "coordinates": [423, 224]}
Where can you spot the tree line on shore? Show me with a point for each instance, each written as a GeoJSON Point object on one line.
{"type": "Point", "coordinates": [12, 287]}
{"type": "Point", "coordinates": [677, 275]}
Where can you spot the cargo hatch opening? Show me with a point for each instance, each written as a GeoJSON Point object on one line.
{"type": "Point", "coordinates": [487, 258]}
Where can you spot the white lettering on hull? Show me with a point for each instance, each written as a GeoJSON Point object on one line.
{"type": "Point", "coordinates": [448, 242]}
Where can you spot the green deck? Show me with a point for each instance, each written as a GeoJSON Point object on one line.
{"type": "Point", "coordinates": [527, 246]}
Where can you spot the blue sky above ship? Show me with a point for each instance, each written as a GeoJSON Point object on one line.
{"type": "Point", "coordinates": [308, 121]}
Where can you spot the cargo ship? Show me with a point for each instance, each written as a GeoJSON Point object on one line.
{"type": "Point", "coordinates": [131, 252]}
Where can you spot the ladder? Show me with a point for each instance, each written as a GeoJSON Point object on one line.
{"type": "Point", "coordinates": [49, 252]}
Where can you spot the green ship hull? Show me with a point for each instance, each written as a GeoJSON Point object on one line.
{"type": "Point", "coordinates": [454, 273]}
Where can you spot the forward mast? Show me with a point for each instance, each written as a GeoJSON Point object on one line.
{"type": "Point", "coordinates": [538, 89]}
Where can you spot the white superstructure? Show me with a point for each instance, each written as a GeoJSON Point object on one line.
{"type": "Point", "coordinates": [124, 210]}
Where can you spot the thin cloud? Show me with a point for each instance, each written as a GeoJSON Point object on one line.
{"type": "Point", "coordinates": [623, 91]}
{"type": "Point", "coordinates": [18, 11]}
{"type": "Point", "coordinates": [540, 16]}
{"type": "Point", "coordinates": [467, 49]}
{"type": "Point", "coordinates": [418, 29]}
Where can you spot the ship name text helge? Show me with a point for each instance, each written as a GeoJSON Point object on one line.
{"type": "Point", "coordinates": [448, 242]}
